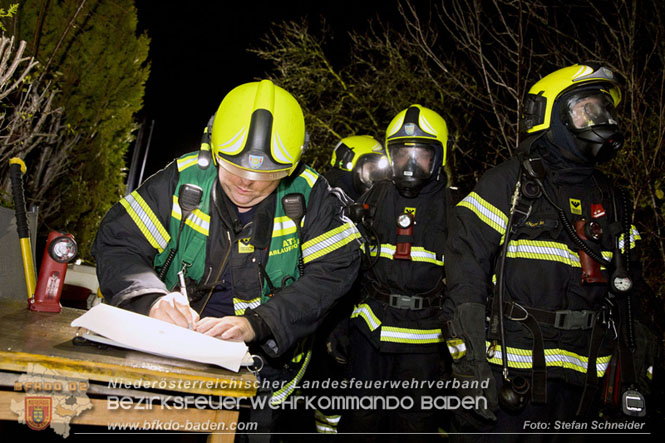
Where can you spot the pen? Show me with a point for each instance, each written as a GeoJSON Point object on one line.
{"type": "Point", "coordinates": [183, 291]}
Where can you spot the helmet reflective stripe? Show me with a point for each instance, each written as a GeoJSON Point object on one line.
{"type": "Point", "coordinates": [584, 70]}
{"type": "Point", "coordinates": [426, 125]}
{"type": "Point", "coordinates": [235, 144]}
{"type": "Point", "coordinates": [282, 154]}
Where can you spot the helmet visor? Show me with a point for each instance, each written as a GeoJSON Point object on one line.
{"type": "Point", "coordinates": [590, 109]}
{"type": "Point", "coordinates": [412, 160]}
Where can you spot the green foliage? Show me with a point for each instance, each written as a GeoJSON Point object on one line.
{"type": "Point", "coordinates": [473, 61]}
{"type": "Point", "coordinates": [100, 67]}
{"type": "Point", "coordinates": [7, 14]}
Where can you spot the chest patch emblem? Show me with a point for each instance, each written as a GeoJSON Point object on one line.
{"type": "Point", "coordinates": [244, 247]}
{"type": "Point", "coordinates": [411, 211]}
{"type": "Point", "coordinates": [575, 206]}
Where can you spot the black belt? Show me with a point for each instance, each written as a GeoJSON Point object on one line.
{"type": "Point", "coordinates": [563, 319]}
{"type": "Point", "coordinates": [431, 299]}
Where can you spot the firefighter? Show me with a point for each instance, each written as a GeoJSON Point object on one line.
{"type": "Point", "coordinates": [555, 234]}
{"type": "Point", "coordinates": [395, 332]}
{"type": "Point", "coordinates": [357, 162]}
{"type": "Point", "coordinates": [255, 270]}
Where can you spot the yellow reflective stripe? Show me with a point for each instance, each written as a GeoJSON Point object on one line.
{"type": "Point", "coordinates": [488, 213]}
{"type": "Point", "coordinates": [239, 306]}
{"type": "Point", "coordinates": [543, 250]}
{"type": "Point", "coordinates": [522, 358]}
{"type": "Point", "coordinates": [418, 253]}
{"type": "Point", "coordinates": [456, 348]}
{"type": "Point", "coordinates": [387, 251]}
{"type": "Point", "coordinates": [281, 395]}
{"type": "Point", "coordinates": [421, 254]}
{"type": "Point", "coordinates": [329, 241]}
{"type": "Point", "coordinates": [634, 235]}
{"type": "Point", "coordinates": [310, 177]}
{"type": "Point", "coordinates": [283, 226]}
{"type": "Point", "coordinates": [326, 424]}
{"type": "Point", "coordinates": [197, 220]}
{"type": "Point", "coordinates": [186, 162]}
{"type": "Point", "coordinates": [146, 221]}
{"type": "Point", "coordinates": [412, 336]}
{"type": "Point", "coordinates": [365, 312]}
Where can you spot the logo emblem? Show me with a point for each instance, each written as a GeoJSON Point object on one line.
{"type": "Point", "coordinates": [597, 210]}
{"type": "Point", "coordinates": [255, 161]}
{"type": "Point", "coordinates": [38, 412]}
{"type": "Point", "coordinates": [575, 206]}
{"type": "Point", "coordinates": [411, 211]}
{"type": "Point", "coordinates": [410, 128]}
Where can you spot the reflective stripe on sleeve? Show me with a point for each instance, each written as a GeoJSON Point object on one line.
{"type": "Point", "coordinates": [279, 396]}
{"type": "Point", "coordinates": [146, 221]}
{"type": "Point", "coordinates": [486, 212]}
{"type": "Point", "coordinates": [634, 235]}
{"type": "Point", "coordinates": [239, 306]}
{"type": "Point", "coordinates": [365, 312]}
{"type": "Point", "coordinates": [326, 424]}
{"type": "Point", "coordinates": [329, 241]}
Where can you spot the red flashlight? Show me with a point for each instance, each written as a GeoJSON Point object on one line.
{"type": "Point", "coordinates": [404, 236]}
{"type": "Point", "coordinates": [60, 249]}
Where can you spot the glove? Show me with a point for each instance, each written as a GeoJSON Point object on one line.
{"type": "Point", "coordinates": [337, 342]}
{"type": "Point", "coordinates": [466, 343]}
{"type": "Point", "coordinates": [644, 357]}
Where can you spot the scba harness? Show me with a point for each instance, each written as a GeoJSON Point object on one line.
{"type": "Point", "coordinates": [602, 322]}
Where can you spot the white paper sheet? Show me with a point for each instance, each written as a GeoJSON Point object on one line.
{"type": "Point", "coordinates": [139, 332]}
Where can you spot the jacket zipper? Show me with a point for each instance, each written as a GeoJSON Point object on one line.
{"type": "Point", "coordinates": [219, 273]}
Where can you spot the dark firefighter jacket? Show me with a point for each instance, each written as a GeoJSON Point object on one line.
{"type": "Point", "coordinates": [392, 329]}
{"type": "Point", "coordinates": [129, 239]}
{"type": "Point", "coordinates": [542, 268]}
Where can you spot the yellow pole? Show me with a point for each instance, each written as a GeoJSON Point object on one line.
{"type": "Point", "coordinates": [16, 170]}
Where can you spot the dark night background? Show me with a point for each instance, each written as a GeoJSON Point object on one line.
{"type": "Point", "coordinates": [198, 53]}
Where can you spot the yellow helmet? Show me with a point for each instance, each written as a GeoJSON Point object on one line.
{"type": "Point", "coordinates": [258, 132]}
{"type": "Point", "coordinates": [349, 150]}
{"type": "Point", "coordinates": [540, 99]}
{"type": "Point", "coordinates": [416, 142]}
{"type": "Point", "coordinates": [364, 158]}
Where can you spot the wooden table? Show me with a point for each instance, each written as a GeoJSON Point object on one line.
{"type": "Point", "coordinates": [31, 338]}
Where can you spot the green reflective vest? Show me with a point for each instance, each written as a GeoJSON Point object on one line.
{"type": "Point", "coordinates": [284, 248]}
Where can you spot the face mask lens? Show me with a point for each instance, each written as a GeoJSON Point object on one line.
{"type": "Point", "coordinates": [590, 110]}
{"type": "Point", "coordinates": [412, 160]}
{"type": "Point", "coordinates": [373, 168]}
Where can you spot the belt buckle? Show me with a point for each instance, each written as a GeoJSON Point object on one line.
{"type": "Point", "coordinates": [570, 320]}
{"type": "Point", "coordinates": [400, 301]}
